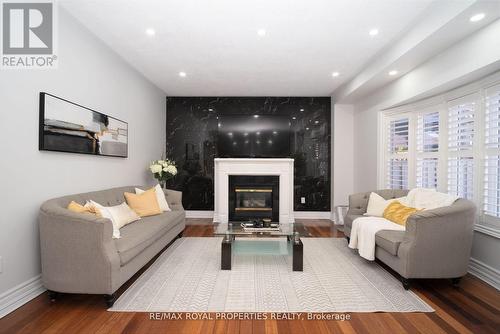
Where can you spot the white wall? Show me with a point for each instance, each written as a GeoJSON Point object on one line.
{"type": "Point", "coordinates": [468, 60]}
{"type": "Point", "coordinates": [343, 158]}
{"type": "Point", "coordinates": [93, 75]}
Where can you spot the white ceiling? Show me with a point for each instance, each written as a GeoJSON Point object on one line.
{"type": "Point", "coordinates": [217, 45]}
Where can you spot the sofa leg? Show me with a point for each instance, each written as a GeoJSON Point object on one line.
{"type": "Point", "coordinates": [348, 239]}
{"type": "Point", "coordinates": [406, 283]}
{"type": "Point", "coordinates": [110, 299]}
{"type": "Point", "coordinates": [456, 281]}
{"type": "Point", "coordinates": [180, 235]}
{"type": "Point", "coordinates": [52, 295]}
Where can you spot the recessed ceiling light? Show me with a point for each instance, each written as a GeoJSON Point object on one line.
{"type": "Point", "coordinates": [210, 109]}
{"type": "Point", "coordinates": [150, 32]}
{"type": "Point", "coordinates": [182, 74]}
{"type": "Point", "coordinates": [294, 117]}
{"type": "Point", "coordinates": [373, 32]}
{"type": "Point", "coordinates": [335, 74]}
{"type": "Point", "coordinates": [393, 72]}
{"type": "Point", "coordinates": [477, 17]}
{"type": "Point", "coordinates": [261, 32]}
{"type": "Point", "coordinates": [301, 109]}
{"type": "Point", "coordinates": [255, 116]}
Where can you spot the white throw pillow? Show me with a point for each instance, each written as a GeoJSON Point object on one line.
{"type": "Point", "coordinates": [377, 204]}
{"type": "Point", "coordinates": [120, 215]}
{"type": "Point", "coordinates": [160, 197]}
{"type": "Point", "coordinates": [412, 196]}
{"type": "Point", "coordinates": [433, 200]}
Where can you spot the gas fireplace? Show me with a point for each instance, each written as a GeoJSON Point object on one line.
{"type": "Point", "coordinates": [253, 197]}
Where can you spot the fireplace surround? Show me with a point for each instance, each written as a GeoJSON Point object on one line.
{"type": "Point", "coordinates": [281, 168]}
{"type": "Point", "coordinates": [253, 197]}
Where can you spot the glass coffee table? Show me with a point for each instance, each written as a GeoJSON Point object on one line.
{"type": "Point", "coordinates": [230, 231]}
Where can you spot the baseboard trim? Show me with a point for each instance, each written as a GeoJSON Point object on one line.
{"type": "Point", "coordinates": [199, 214]}
{"type": "Point", "coordinates": [297, 214]}
{"type": "Point", "coordinates": [485, 272]}
{"type": "Point", "coordinates": [313, 215]}
{"type": "Point", "coordinates": [20, 295]}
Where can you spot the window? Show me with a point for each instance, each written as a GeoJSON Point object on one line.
{"type": "Point", "coordinates": [461, 124]}
{"type": "Point", "coordinates": [449, 142]}
{"type": "Point", "coordinates": [428, 132]}
{"type": "Point", "coordinates": [427, 150]}
{"type": "Point", "coordinates": [427, 169]}
{"type": "Point", "coordinates": [491, 196]}
{"type": "Point", "coordinates": [397, 177]}
{"type": "Point", "coordinates": [461, 177]}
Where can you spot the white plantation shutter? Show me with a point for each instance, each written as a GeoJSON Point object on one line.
{"type": "Point", "coordinates": [427, 172]}
{"type": "Point", "coordinates": [461, 135]}
{"type": "Point", "coordinates": [427, 150]}
{"type": "Point", "coordinates": [461, 176]}
{"type": "Point", "coordinates": [428, 132]}
{"type": "Point", "coordinates": [397, 163]}
{"type": "Point", "coordinates": [491, 195]}
{"type": "Point", "coordinates": [492, 118]}
{"type": "Point", "coordinates": [461, 126]}
{"type": "Point", "coordinates": [492, 186]}
{"type": "Point", "coordinates": [397, 174]}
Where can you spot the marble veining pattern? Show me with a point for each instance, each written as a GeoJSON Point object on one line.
{"type": "Point", "coordinates": [191, 132]}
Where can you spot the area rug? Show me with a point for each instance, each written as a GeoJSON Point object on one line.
{"type": "Point", "coordinates": [187, 278]}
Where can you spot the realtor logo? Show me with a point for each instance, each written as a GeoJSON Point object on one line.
{"type": "Point", "coordinates": [28, 35]}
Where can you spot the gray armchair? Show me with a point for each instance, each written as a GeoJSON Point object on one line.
{"type": "Point", "coordinates": [436, 244]}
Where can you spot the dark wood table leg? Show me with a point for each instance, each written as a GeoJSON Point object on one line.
{"type": "Point", "coordinates": [226, 253]}
{"type": "Point", "coordinates": [298, 255]}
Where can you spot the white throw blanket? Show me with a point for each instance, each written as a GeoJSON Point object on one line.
{"type": "Point", "coordinates": [363, 232]}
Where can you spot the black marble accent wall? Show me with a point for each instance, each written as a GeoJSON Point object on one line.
{"type": "Point", "coordinates": [192, 143]}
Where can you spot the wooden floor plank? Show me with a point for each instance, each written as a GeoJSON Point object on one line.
{"type": "Point", "coordinates": [473, 308]}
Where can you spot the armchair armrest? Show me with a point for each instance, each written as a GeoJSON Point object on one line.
{"type": "Point", "coordinates": [174, 199]}
{"type": "Point", "coordinates": [438, 242]}
{"type": "Point", "coordinates": [77, 251]}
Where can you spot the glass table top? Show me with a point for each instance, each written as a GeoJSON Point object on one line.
{"type": "Point", "coordinates": [236, 229]}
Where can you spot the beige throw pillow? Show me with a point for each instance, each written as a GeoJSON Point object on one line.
{"type": "Point", "coordinates": [160, 197]}
{"type": "Point", "coordinates": [120, 215]}
{"type": "Point", "coordinates": [377, 204]}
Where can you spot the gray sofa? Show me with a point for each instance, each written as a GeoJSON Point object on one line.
{"type": "Point", "coordinates": [79, 254]}
{"type": "Point", "coordinates": [436, 244]}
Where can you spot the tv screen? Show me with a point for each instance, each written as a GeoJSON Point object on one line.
{"type": "Point", "coordinates": [253, 136]}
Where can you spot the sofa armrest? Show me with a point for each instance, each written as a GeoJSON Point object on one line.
{"type": "Point", "coordinates": [77, 251]}
{"type": "Point", "coordinates": [174, 199]}
{"type": "Point", "coordinates": [438, 242]}
{"type": "Point", "coordinates": [358, 203]}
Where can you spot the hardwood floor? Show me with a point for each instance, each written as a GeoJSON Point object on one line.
{"type": "Point", "coordinates": [474, 307]}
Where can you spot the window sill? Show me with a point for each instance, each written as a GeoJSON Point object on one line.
{"type": "Point", "coordinates": [488, 230]}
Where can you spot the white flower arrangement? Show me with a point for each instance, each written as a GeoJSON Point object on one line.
{"type": "Point", "coordinates": [163, 170]}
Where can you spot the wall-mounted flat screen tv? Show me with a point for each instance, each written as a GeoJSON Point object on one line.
{"type": "Point", "coordinates": [253, 136]}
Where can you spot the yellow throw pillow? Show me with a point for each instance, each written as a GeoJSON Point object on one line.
{"type": "Point", "coordinates": [144, 204]}
{"type": "Point", "coordinates": [398, 213]}
{"type": "Point", "coordinates": [78, 208]}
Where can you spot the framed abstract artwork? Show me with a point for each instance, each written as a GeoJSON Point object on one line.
{"type": "Point", "coordinates": [69, 127]}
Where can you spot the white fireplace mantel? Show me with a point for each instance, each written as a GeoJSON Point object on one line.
{"type": "Point", "coordinates": [232, 166]}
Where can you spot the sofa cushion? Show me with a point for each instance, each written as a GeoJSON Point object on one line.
{"type": "Point", "coordinates": [389, 240]}
{"type": "Point", "coordinates": [139, 235]}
